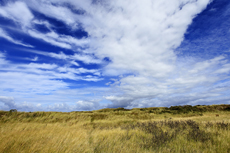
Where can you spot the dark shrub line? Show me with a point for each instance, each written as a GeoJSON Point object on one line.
{"type": "Point", "coordinates": [159, 137]}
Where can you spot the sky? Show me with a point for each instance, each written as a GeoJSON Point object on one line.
{"type": "Point", "coordinates": [76, 55]}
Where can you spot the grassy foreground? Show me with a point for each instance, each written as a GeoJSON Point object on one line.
{"type": "Point", "coordinates": [175, 129]}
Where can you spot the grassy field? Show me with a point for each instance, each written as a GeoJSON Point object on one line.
{"type": "Point", "coordinates": [158, 129]}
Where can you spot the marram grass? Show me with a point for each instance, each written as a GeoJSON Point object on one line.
{"type": "Point", "coordinates": [176, 129]}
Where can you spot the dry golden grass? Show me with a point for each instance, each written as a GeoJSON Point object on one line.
{"type": "Point", "coordinates": [115, 131]}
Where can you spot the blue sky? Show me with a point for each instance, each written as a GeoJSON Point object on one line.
{"type": "Point", "coordinates": [77, 55]}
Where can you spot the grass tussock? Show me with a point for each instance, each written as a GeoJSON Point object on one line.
{"type": "Point", "coordinates": [174, 129]}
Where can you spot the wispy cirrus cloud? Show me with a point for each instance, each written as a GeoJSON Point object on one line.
{"type": "Point", "coordinates": [85, 58]}
{"type": "Point", "coordinates": [13, 9]}
{"type": "Point", "coordinates": [62, 41]}
{"type": "Point", "coordinates": [40, 77]}
{"type": "Point", "coordinates": [6, 36]}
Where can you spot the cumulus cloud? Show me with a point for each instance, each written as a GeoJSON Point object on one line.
{"type": "Point", "coordinates": [87, 105]}
{"type": "Point", "coordinates": [140, 36]}
{"type": "Point", "coordinates": [8, 101]}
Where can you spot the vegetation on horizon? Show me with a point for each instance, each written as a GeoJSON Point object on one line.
{"type": "Point", "coordinates": [156, 129]}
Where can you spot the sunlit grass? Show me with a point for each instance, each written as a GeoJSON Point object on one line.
{"type": "Point", "coordinates": [197, 129]}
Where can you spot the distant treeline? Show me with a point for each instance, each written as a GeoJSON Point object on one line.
{"type": "Point", "coordinates": [157, 110]}
{"type": "Point", "coordinates": [174, 109]}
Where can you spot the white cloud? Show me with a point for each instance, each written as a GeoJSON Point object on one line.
{"type": "Point", "coordinates": [76, 70]}
{"type": "Point", "coordinates": [55, 39]}
{"type": "Point", "coordinates": [87, 105]}
{"type": "Point", "coordinates": [139, 38]}
{"type": "Point", "coordinates": [2, 59]}
{"type": "Point", "coordinates": [5, 35]}
{"type": "Point", "coordinates": [8, 101]}
{"type": "Point", "coordinates": [61, 55]}
{"type": "Point", "coordinates": [41, 22]}
{"type": "Point", "coordinates": [48, 38]}
{"type": "Point", "coordinates": [74, 63]}
{"type": "Point", "coordinates": [55, 11]}
{"type": "Point", "coordinates": [85, 58]}
{"type": "Point", "coordinates": [59, 100]}
{"type": "Point", "coordinates": [189, 85]}
{"type": "Point", "coordinates": [17, 11]}
{"type": "Point", "coordinates": [39, 78]}
{"type": "Point", "coordinates": [35, 59]}
{"type": "Point", "coordinates": [14, 10]}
